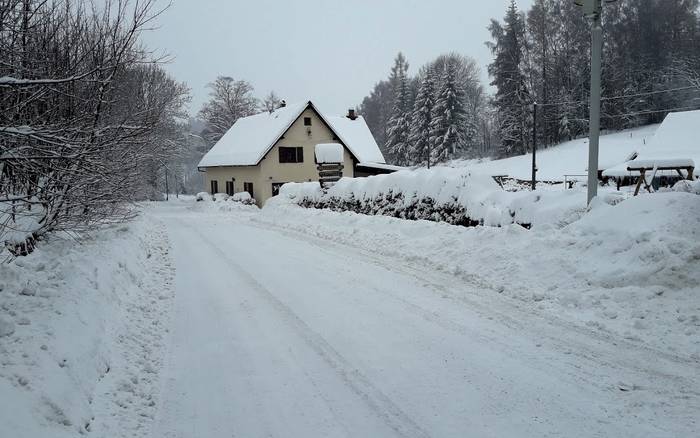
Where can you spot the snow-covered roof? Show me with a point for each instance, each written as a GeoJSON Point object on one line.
{"type": "Point", "coordinates": [675, 144]}
{"type": "Point", "coordinates": [381, 166]}
{"type": "Point", "coordinates": [357, 137]}
{"type": "Point", "coordinates": [250, 138]}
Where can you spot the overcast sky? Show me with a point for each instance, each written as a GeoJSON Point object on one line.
{"type": "Point", "coordinates": [331, 52]}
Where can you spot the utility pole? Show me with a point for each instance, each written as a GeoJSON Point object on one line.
{"type": "Point", "coordinates": [592, 9]}
{"type": "Point", "coordinates": [167, 195]}
{"type": "Point", "coordinates": [534, 145]}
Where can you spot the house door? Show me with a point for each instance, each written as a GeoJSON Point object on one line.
{"type": "Point", "coordinates": [248, 187]}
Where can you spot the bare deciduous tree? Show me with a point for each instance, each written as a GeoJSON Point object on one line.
{"type": "Point", "coordinates": [83, 113]}
{"type": "Point", "coordinates": [271, 102]}
{"type": "Point", "coordinates": [229, 101]}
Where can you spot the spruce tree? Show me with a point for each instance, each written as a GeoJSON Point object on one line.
{"type": "Point", "coordinates": [449, 117]}
{"type": "Point", "coordinates": [400, 121]}
{"type": "Point", "coordinates": [419, 137]}
{"type": "Point", "coordinates": [512, 97]}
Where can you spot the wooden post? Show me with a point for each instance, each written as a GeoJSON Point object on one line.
{"type": "Point", "coordinates": [639, 182]}
{"type": "Point", "coordinates": [329, 173]}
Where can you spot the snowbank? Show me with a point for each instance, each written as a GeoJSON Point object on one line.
{"type": "Point", "coordinates": [632, 269]}
{"type": "Point", "coordinates": [18, 225]}
{"type": "Point", "coordinates": [81, 334]}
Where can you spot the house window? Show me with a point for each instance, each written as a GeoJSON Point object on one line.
{"type": "Point", "coordinates": [291, 155]}
{"type": "Point", "coordinates": [248, 187]}
{"type": "Point", "coordinates": [307, 121]}
{"type": "Point", "coordinates": [214, 187]}
{"type": "Point", "coordinates": [276, 188]}
{"type": "Point", "coordinates": [229, 188]}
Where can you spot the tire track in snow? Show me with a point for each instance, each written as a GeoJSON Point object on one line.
{"type": "Point", "coordinates": [664, 373]}
{"type": "Point", "coordinates": [167, 424]}
{"type": "Point", "coordinates": [379, 402]}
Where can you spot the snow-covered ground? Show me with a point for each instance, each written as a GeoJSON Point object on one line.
{"type": "Point", "coordinates": [374, 326]}
{"type": "Point", "coordinates": [301, 322]}
{"type": "Point", "coordinates": [82, 328]}
{"type": "Point", "coordinates": [632, 270]}
{"type": "Point", "coordinates": [568, 158]}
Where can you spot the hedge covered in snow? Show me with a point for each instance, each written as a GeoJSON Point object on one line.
{"type": "Point", "coordinates": [440, 194]}
{"type": "Point", "coordinates": [242, 197]}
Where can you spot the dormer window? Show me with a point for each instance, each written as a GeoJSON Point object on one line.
{"type": "Point", "coordinates": [307, 121]}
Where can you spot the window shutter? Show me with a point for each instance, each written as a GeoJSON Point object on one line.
{"type": "Point", "coordinates": [300, 155]}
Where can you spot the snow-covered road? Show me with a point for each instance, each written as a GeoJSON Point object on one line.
{"type": "Point", "coordinates": [280, 334]}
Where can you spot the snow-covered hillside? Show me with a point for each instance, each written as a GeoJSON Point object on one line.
{"type": "Point", "coordinates": [568, 158]}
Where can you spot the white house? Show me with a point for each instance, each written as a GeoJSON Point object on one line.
{"type": "Point", "coordinates": [261, 152]}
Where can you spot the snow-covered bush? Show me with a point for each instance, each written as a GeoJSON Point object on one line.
{"type": "Point", "coordinates": [203, 196]}
{"type": "Point", "coordinates": [455, 196]}
{"type": "Point", "coordinates": [243, 198]}
{"type": "Point", "coordinates": [687, 186]}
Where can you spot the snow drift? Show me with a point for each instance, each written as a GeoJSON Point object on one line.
{"type": "Point", "coordinates": [80, 334]}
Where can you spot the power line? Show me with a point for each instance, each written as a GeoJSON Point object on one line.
{"type": "Point", "coordinates": [650, 93]}
{"type": "Point", "coordinates": [624, 96]}
{"type": "Point", "coordinates": [639, 113]}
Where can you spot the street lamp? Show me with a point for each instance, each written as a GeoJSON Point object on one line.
{"type": "Point", "coordinates": [592, 9]}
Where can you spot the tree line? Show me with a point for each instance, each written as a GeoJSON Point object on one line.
{"type": "Point", "coordinates": [89, 120]}
{"type": "Point", "coordinates": [435, 116]}
{"type": "Point", "coordinates": [651, 60]}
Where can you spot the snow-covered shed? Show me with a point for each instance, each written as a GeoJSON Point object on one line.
{"type": "Point", "coordinates": [261, 152]}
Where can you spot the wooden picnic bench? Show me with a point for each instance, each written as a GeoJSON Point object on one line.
{"type": "Point", "coordinates": [647, 185]}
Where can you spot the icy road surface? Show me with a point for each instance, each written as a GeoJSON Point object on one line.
{"type": "Point", "coordinates": [276, 334]}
